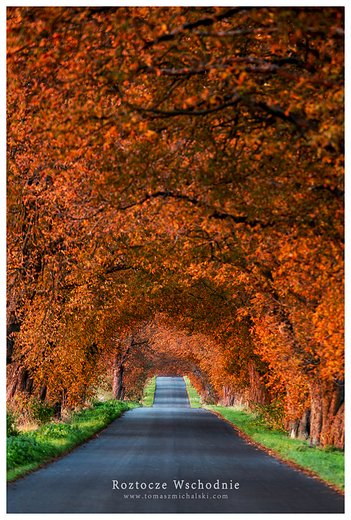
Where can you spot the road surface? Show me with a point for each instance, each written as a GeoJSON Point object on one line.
{"type": "Point", "coordinates": [174, 459]}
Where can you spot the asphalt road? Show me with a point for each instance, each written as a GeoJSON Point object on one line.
{"type": "Point", "coordinates": [170, 458]}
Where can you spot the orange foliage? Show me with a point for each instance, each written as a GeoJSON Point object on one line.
{"type": "Point", "coordinates": [184, 162]}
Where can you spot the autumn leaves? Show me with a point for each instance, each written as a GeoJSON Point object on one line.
{"type": "Point", "coordinates": [185, 163]}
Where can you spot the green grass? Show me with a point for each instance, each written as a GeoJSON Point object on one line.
{"type": "Point", "coordinates": [194, 398]}
{"type": "Point", "coordinates": [149, 392]}
{"type": "Point", "coordinates": [28, 451]}
{"type": "Point", "coordinates": [327, 463]}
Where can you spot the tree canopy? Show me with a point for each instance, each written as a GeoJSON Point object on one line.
{"type": "Point", "coordinates": [176, 174]}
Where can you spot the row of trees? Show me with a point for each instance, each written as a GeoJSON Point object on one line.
{"type": "Point", "coordinates": [175, 203]}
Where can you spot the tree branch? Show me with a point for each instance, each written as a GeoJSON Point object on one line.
{"type": "Point", "coordinates": [184, 112]}
{"type": "Point", "coordinates": [189, 26]}
{"type": "Point", "coordinates": [259, 66]}
{"type": "Point", "coordinates": [238, 32]}
{"type": "Point", "coordinates": [273, 109]}
{"type": "Point", "coordinates": [160, 193]}
{"type": "Point", "coordinates": [217, 214]}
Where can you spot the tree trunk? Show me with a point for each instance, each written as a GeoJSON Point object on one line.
{"type": "Point", "coordinates": [299, 428]}
{"type": "Point", "coordinates": [14, 326]}
{"type": "Point", "coordinates": [228, 396]}
{"type": "Point", "coordinates": [242, 398]}
{"type": "Point", "coordinates": [333, 414]}
{"type": "Point", "coordinates": [316, 417]}
{"type": "Point", "coordinates": [293, 428]}
{"type": "Point", "coordinates": [18, 380]}
{"type": "Point", "coordinates": [42, 393]}
{"type": "Point", "coordinates": [61, 403]}
{"type": "Point", "coordinates": [303, 431]}
{"type": "Point", "coordinates": [57, 409]}
{"type": "Point", "coordinates": [258, 393]}
{"type": "Point", "coordinates": [327, 412]}
{"type": "Point", "coordinates": [336, 433]}
{"type": "Point", "coordinates": [117, 377]}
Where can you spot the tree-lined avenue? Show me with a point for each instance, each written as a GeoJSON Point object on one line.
{"type": "Point", "coordinates": [175, 206]}
{"type": "Point", "coordinates": [155, 451]}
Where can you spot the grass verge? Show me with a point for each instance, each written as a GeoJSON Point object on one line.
{"type": "Point", "coordinates": [149, 392]}
{"type": "Point", "coordinates": [194, 398]}
{"type": "Point", "coordinates": [31, 450]}
{"type": "Point", "coordinates": [326, 464]}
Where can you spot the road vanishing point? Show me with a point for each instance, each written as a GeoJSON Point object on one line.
{"type": "Point", "coordinates": [170, 458]}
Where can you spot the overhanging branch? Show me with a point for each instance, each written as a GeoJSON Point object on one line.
{"type": "Point", "coordinates": [257, 66]}
{"type": "Point", "coordinates": [215, 213]}
{"type": "Point", "coordinates": [273, 109]}
{"type": "Point", "coordinates": [189, 26]}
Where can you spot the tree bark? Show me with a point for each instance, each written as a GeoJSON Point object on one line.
{"type": "Point", "coordinates": [117, 376]}
{"type": "Point", "coordinates": [42, 393]}
{"type": "Point", "coordinates": [316, 417]}
{"type": "Point", "coordinates": [300, 427]}
{"type": "Point", "coordinates": [333, 414]}
{"type": "Point", "coordinates": [336, 433]}
{"type": "Point", "coordinates": [228, 396]}
{"type": "Point", "coordinates": [327, 412]}
{"type": "Point", "coordinates": [303, 431]}
{"type": "Point", "coordinates": [18, 380]}
{"type": "Point", "coordinates": [58, 409]}
{"type": "Point", "coordinates": [13, 326]}
{"type": "Point", "coordinates": [258, 392]}
{"type": "Point", "coordinates": [293, 428]}
{"type": "Point", "coordinates": [61, 403]}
